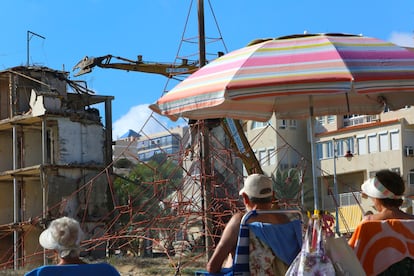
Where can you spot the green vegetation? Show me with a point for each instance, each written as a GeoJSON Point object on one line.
{"type": "Point", "coordinates": [123, 163]}
{"type": "Point", "coordinates": [147, 185]}
{"type": "Point", "coordinates": [288, 186]}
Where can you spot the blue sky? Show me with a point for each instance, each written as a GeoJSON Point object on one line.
{"type": "Point", "coordinates": [154, 29]}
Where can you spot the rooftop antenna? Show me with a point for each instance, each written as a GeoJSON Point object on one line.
{"type": "Point", "coordinates": [29, 36]}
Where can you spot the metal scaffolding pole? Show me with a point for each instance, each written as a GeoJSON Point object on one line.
{"type": "Point", "coordinates": [15, 203]}
{"type": "Point", "coordinates": [207, 169]}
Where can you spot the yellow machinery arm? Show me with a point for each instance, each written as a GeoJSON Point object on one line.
{"type": "Point", "coordinates": [232, 128]}
{"type": "Point", "coordinates": [166, 69]}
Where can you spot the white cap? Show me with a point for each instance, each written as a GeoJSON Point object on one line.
{"type": "Point", "coordinates": [258, 186]}
{"type": "Point", "coordinates": [63, 234]}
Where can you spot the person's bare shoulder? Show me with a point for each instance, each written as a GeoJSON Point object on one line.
{"type": "Point", "coordinates": [235, 220]}
{"type": "Point", "coordinates": [377, 216]}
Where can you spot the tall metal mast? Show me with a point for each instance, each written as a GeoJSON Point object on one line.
{"type": "Point", "coordinates": [205, 144]}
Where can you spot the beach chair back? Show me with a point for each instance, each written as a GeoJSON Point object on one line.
{"type": "Point", "coordinates": [385, 246]}
{"type": "Point", "coordinates": [75, 269]}
{"type": "Point", "coordinates": [285, 240]}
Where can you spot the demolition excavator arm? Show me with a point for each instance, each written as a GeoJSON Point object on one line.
{"type": "Point", "coordinates": [232, 128]}
{"type": "Point", "coordinates": [166, 69]}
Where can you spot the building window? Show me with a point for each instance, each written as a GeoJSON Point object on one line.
{"type": "Point", "coordinates": [344, 145]}
{"type": "Point", "coordinates": [256, 124]}
{"type": "Point", "coordinates": [396, 170]}
{"type": "Point", "coordinates": [362, 145]}
{"type": "Point", "coordinates": [372, 143]}
{"type": "Point", "coordinates": [271, 156]}
{"type": "Point", "coordinates": [319, 151]}
{"type": "Point", "coordinates": [282, 124]}
{"type": "Point", "coordinates": [320, 120]}
{"type": "Point", "coordinates": [349, 144]}
{"type": "Point", "coordinates": [331, 119]}
{"type": "Point", "coordinates": [411, 178]}
{"type": "Point", "coordinates": [324, 150]}
{"type": "Point", "coordinates": [383, 142]}
{"type": "Point", "coordinates": [339, 149]}
{"type": "Point", "coordinates": [292, 123]}
{"type": "Point", "coordinates": [262, 157]}
{"type": "Point", "coordinates": [329, 149]}
{"type": "Point", "coordinates": [395, 140]}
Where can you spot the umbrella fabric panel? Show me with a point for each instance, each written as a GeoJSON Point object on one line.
{"type": "Point", "coordinates": [339, 64]}
{"type": "Point", "coordinates": [343, 73]}
{"type": "Point", "coordinates": [228, 109]}
{"type": "Point", "coordinates": [291, 107]}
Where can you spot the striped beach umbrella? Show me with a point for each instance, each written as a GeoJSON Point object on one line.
{"type": "Point", "coordinates": [296, 77]}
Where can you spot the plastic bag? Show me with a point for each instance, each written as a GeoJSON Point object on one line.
{"type": "Point", "coordinates": [343, 257]}
{"type": "Point", "coordinates": [312, 259]}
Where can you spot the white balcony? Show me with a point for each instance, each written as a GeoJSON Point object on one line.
{"type": "Point", "coordinates": [360, 119]}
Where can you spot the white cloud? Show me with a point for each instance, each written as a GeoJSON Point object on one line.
{"type": "Point", "coordinates": [402, 39]}
{"type": "Point", "coordinates": [144, 121]}
{"type": "Point", "coordinates": [138, 118]}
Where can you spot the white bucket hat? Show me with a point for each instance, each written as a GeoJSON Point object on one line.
{"type": "Point", "coordinates": [63, 234]}
{"type": "Point", "coordinates": [258, 186]}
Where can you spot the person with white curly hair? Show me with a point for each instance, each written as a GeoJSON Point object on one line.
{"type": "Point", "coordinates": [64, 236]}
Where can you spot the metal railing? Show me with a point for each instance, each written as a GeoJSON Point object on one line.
{"type": "Point", "coordinates": [345, 199]}
{"type": "Point", "coordinates": [359, 120]}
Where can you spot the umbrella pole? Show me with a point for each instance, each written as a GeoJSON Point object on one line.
{"type": "Point", "coordinates": [313, 157]}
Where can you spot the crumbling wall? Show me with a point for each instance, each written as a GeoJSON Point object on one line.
{"type": "Point", "coordinates": [80, 143]}
{"type": "Point", "coordinates": [74, 191]}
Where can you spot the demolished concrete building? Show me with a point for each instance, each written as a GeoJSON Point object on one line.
{"type": "Point", "coordinates": [52, 143]}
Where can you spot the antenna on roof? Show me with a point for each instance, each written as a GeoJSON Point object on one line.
{"type": "Point", "coordinates": [29, 36]}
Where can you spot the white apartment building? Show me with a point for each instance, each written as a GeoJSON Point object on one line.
{"type": "Point", "coordinates": [278, 143]}
{"type": "Point", "coordinates": [169, 142]}
{"type": "Point", "coordinates": [362, 145]}
{"type": "Point", "coordinates": [373, 142]}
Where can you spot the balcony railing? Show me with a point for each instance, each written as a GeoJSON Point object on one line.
{"type": "Point", "coordinates": [345, 199]}
{"type": "Point", "coordinates": [359, 120]}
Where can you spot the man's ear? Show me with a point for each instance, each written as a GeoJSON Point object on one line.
{"type": "Point", "coordinates": [246, 199]}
